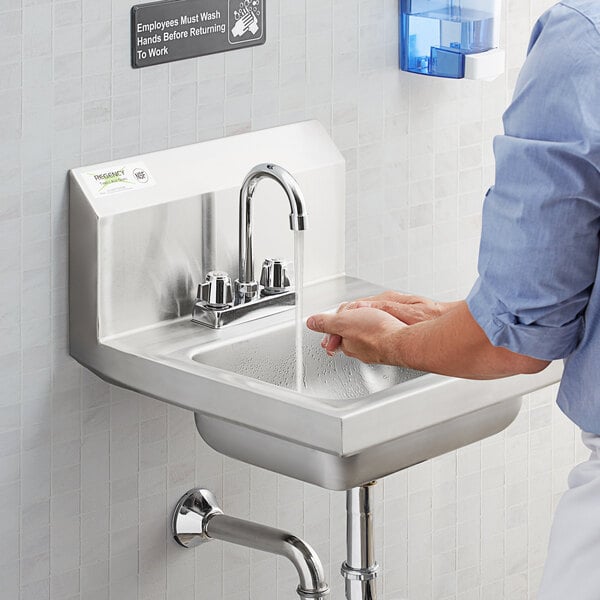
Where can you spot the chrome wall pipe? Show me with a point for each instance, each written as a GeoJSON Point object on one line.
{"type": "Point", "coordinates": [360, 569]}
{"type": "Point", "coordinates": [197, 518]}
{"type": "Point", "coordinates": [275, 541]}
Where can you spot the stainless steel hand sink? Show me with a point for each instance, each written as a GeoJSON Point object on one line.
{"type": "Point", "coordinates": [139, 248]}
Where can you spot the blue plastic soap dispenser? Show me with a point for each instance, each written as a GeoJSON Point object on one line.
{"type": "Point", "coordinates": [451, 38]}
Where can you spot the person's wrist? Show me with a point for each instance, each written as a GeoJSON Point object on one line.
{"type": "Point", "coordinates": [446, 307]}
{"type": "Point", "coordinates": [396, 345]}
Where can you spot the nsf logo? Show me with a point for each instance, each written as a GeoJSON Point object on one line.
{"type": "Point", "coordinates": [141, 176]}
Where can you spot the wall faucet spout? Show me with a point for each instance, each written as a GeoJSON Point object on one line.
{"type": "Point", "coordinates": [197, 519]}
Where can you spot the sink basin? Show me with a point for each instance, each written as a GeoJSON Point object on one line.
{"type": "Point", "coordinates": [270, 356]}
{"type": "Point", "coordinates": [351, 423]}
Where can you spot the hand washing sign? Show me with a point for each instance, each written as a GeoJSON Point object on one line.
{"type": "Point", "coordinates": [172, 30]}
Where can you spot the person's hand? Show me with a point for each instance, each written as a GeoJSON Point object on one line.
{"type": "Point", "coordinates": [365, 333]}
{"type": "Point", "coordinates": [407, 308]}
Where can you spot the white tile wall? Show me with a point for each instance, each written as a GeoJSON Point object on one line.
{"type": "Point", "coordinates": [88, 472]}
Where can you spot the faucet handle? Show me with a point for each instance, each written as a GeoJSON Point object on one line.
{"type": "Point", "coordinates": [275, 277]}
{"type": "Point", "coordinates": [216, 291]}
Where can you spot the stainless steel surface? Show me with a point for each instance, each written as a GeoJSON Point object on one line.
{"type": "Point", "coordinates": [346, 470]}
{"type": "Point", "coordinates": [360, 569]}
{"type": "Point", "coordinates": [263, 306]}
{"type": "Point", "coordinates": [198, 519]}
{"type": "Point", "coordinates": [148, 265]}
{"type": "Point", "coordinates": [275, 277]}
{"type": "Point", "coordinates": [298, 216]}
{"type": "Point", "coordinates": [216, 292]}
{"type": "Point", "coordinates": [270, 356]}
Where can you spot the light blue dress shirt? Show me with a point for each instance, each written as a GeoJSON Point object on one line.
{"type": "Point", "coordinates": [538, 291]}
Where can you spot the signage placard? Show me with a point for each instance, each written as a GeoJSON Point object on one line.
{"type": "Point", "coordinates": [171, 30]}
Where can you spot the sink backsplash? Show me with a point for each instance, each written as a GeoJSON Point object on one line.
{"type": "Point", "coordinates": [154, 244]}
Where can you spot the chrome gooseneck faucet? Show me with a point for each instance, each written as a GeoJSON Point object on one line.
{"type": "Point", "coordinates": [246, 286]}
{"type": "Point", "coordinates": [219, 303]}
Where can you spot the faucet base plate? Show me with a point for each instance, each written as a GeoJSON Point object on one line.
{"type": "Point", "coordinates": [216, 318]}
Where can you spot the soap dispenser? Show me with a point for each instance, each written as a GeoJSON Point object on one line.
{"type": "Point", "coordinates": [451, 38]}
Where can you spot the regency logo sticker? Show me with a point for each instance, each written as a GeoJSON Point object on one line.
{"type": "Point", "coordinates": [120, 178]}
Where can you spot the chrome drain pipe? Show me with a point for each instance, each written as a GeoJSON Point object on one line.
{"type": "Point", "coordinates": [197, 518]}
{"type": "Point", "coordinates": [360, 569]}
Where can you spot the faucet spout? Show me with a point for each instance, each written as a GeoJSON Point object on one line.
{"type": "Point", "coordinates": [197, 519]}
{"type": "Point", "coordinates": [247, 285]}
{"type": "Point", "coordinates": [312, 583]}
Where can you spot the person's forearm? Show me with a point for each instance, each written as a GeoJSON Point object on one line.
{"type": "Point", "coordinates": [455, 345]}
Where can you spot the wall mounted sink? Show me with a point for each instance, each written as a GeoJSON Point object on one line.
{"type": "Point", "coordinates": [136, 257]}
{"type": "Point", "coordinates": [352, 423]}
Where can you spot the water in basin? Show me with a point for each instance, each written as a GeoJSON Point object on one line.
{"type": "Point", "coordinates": [271, 357]}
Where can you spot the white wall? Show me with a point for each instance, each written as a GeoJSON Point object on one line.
{"type": "Point", "coordinates": [88, 472]}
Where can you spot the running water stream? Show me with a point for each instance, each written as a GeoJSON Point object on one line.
{"type": "Point", "coordinates": [299, 276]}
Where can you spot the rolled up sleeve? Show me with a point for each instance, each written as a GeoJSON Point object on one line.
{"type": "Point", "coordinates": [540, 232]}
{"type": "Point", "coordinates": [506, 329]}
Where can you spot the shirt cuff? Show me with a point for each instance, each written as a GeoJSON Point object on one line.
{"type": "Point", "coordinates": [504, 329]}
